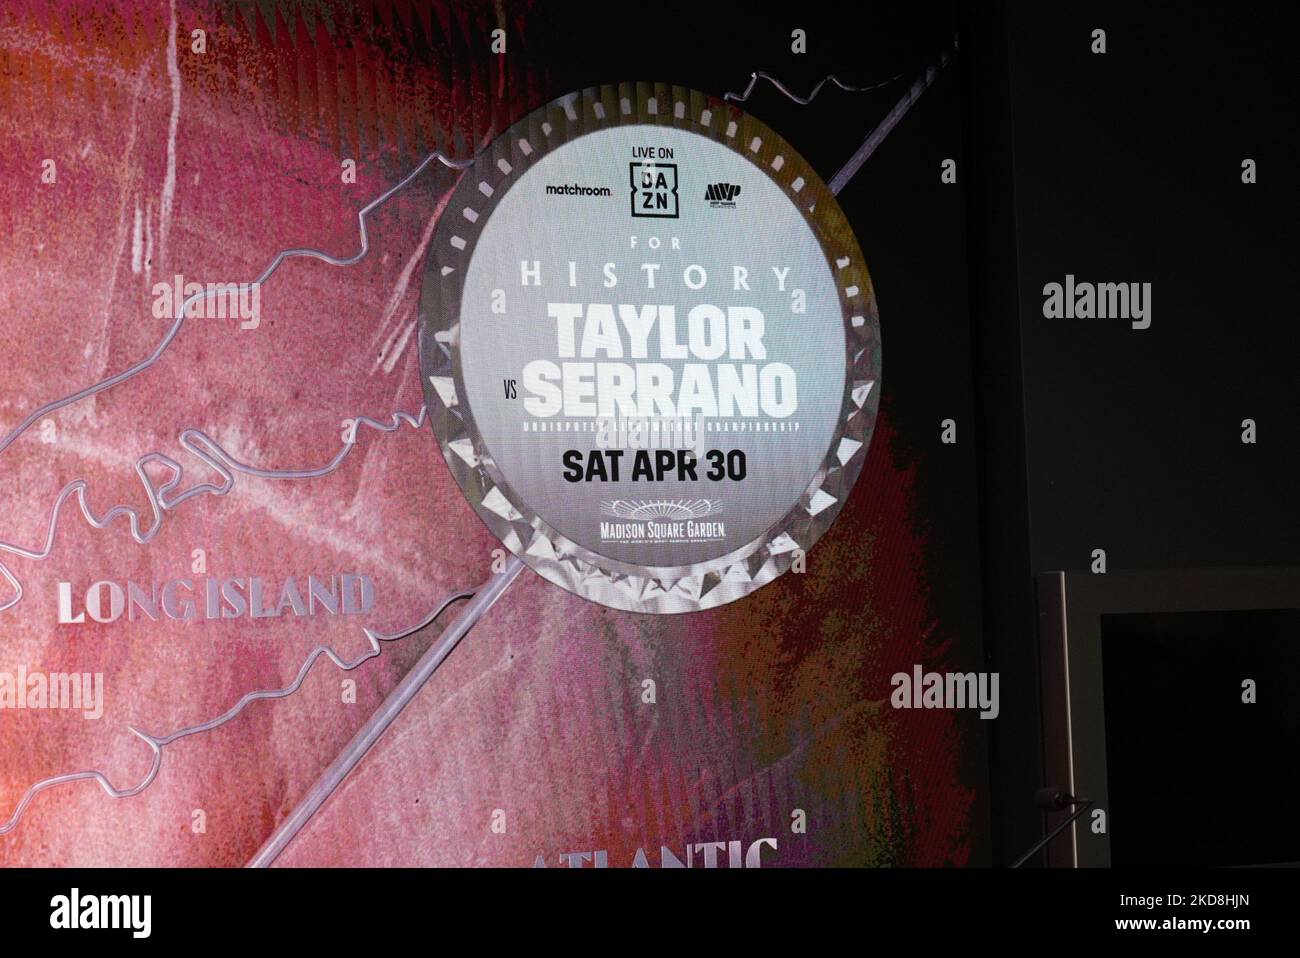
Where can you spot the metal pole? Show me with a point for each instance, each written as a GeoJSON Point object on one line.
{"type": "Point", "coordinates": [882, 130]}
{"type": "Point", "coordinates": [406, 690]}
{"type": "Point", "coordinates": [392, 706]}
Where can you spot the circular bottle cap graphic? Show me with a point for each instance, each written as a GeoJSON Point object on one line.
{"type": "Point", "coordinates": [650, 347]}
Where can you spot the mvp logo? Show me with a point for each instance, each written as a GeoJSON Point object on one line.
{"type": "Point", "coordinates": [722, 194]}
{"type": "Point", "coordinates": [654, 189]}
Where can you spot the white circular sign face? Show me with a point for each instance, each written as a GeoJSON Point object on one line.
{"type": "Point", "coordinates": [650, 347]}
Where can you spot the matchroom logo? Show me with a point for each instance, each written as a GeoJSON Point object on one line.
{"type": "Point", "coordinates": [577, 189]}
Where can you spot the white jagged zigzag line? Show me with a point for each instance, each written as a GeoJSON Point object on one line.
{"type": "Point", "coordinates": [157, 743]}
{"type": "Point", "coordinates": [280, 257]}
{"type": "Point", "coordinates": [207, 450]}
{"type": "Point", "coordinates": [157, 497]}
{"type": "Point", "coordinates": [804, 100]}
{"type": "Point", "coordinates": [190, 438]}
{"type": "Point", "coordinates": [223, 463]}
{"type": "Point", "coordinates": [193, 440]}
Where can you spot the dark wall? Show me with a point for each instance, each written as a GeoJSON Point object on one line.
{"type": "Point", "coordinates": [1128, 167]}
{"type": "Point", "coordinates": [1125, 167]}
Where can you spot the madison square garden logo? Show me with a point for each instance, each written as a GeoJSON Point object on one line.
{"type": "Point", "coordinates": [655, 407]}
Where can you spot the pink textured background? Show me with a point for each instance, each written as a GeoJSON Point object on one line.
{"type": "Point", "coordinates": [775, 703]}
